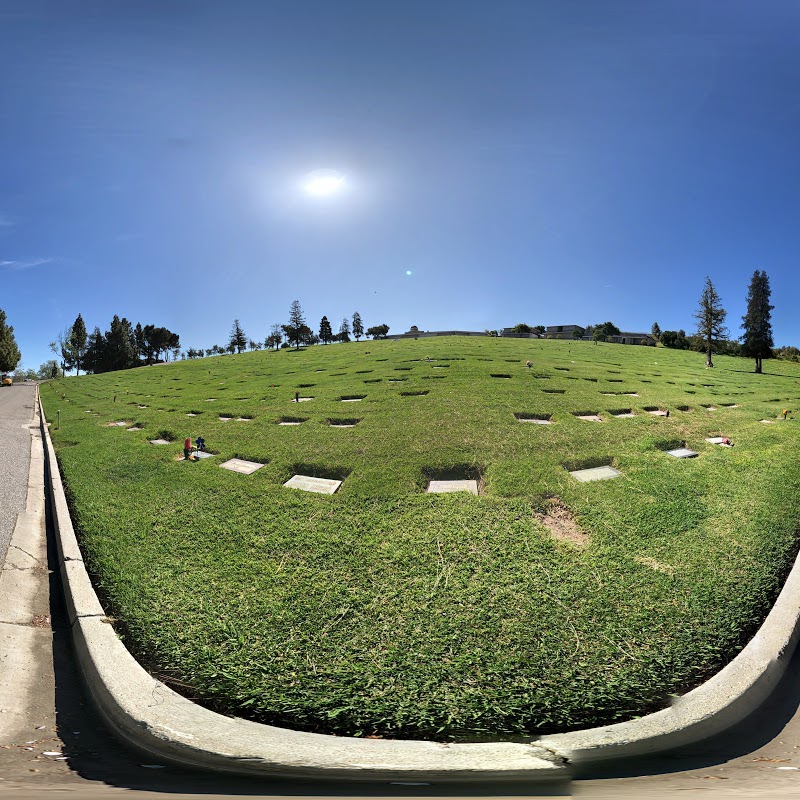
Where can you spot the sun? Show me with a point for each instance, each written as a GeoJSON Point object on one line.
{"type": "Point", "coordinates": [323, 183]}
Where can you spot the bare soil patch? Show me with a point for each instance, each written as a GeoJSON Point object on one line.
{"type": "Point", "coordinates": [558, 519]}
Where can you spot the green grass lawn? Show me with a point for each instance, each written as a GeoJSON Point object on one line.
{"type": "Point", "coordinates": [383, 610]}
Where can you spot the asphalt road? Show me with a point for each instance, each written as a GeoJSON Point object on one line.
{"type": "Point", "coordinates": [16, 414]}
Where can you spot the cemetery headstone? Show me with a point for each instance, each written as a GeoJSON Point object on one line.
{"type": "Point", "coordinates": [444, 487]}
{"type": "Point", "coordinates": [241, 466]}
{"type": "Point", "coordinates": [595, 474]}
{"type": "Point", "coordinates": [683, 452]}
{"type": "Point", "coordinates": [306, 483]}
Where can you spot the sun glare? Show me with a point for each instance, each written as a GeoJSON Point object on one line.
{"type": "Point", "coordinates": [323, 183]}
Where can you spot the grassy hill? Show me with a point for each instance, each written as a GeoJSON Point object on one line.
{"type": "Point", "coordinates": [542, 604]}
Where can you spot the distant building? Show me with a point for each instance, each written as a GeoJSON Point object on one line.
{"type": "Point", "coordinates": [514, 335]}
{"type": "Point", "coordinates": [563, 332]}
{"type": "Point", "coordinates": [415, 333]}
{"type": "Point", "coordinates": [626, 337]}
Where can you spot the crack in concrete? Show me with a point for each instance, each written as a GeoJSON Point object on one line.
{"type": "Point", "coordinates": [19, 569]}
{"type": "Point", "coordinates": [30, 555]}
{"type": "Point", "coordinates": [24, 625]}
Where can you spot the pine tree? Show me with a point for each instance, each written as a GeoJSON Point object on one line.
{"type": "Point", "coordinates": [119, 346]}
{"type": "Point", "coordinates": [296, 329]}
{"type": "Point", "coordinates": [656, 331]}
{"type": "Point", "coordinates": [757, 340]}
{"type": "Point", "coordinates": [325, 331]}
{"type": "Point", "coordinates": [77, 343]}
{"type": "Point", "coordinates": [710, 317]}
{"type": "Point", "coordinates": [95, 352]}
{"type": "Point", "coordinates": [9, 352]}
{"type": "Point", "coordinates": [344, 331]}
{"type": "Point", "coordinates": [238, 338]}
{"type": "Point", "coordinates": [358, 327]}
{"type": "Point", "coordinates": [138, 335]}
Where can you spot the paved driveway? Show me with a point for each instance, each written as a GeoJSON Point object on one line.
{"type": "Point", "coordinates": [16, 414]}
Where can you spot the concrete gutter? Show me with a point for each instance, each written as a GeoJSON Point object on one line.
{"type": "Point", "coordinates": [148, 715]}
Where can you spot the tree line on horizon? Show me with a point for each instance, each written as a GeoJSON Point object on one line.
{"type": "Point", "coordinates": [294, 333]}
{"type": "Point", "coordinates": [122, 346]}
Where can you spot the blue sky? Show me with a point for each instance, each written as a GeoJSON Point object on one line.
{"type": "Point", "coordinates": [546, 162]}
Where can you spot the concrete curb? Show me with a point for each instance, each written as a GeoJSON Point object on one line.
{"type": "Point", "coordinates": [151, 717]}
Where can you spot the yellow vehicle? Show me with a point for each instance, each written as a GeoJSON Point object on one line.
{"type": "Point", "coordinates": [7, 381]}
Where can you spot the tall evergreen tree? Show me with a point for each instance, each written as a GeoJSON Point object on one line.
{"type": "Point", "coordinates": [9, 352]}
{"type": "Point", "coordinates": [757, 340]}
{"type": "Point", "coordinates": [119, 346]}
{"type": "Point", "coordinates": [325, 331]}
{"type": "Point", "coordinates": [710, 317]}
{"type": "Point", "coordinates": [296, 330]}
{"type": "Point", "coordinates": [77, 343]}
{"type": "Point", "coordinates": [656, 331]}
{"type": "Point", "coordinates": [94, 358]}
{"type": "Point", "coordinates": [344, 331]}
{"type": "Point", "coordinates": [238, 338]}
{"type": "Point", "coordinates": [138, 335]}
{"type": "Point", "coordinates": [358, 326]}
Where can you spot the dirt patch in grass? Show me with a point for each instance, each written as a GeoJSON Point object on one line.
{"type": "Point", "coordinates": [558, 519]}
{"type": "Point", "coordinates": [656, 565]}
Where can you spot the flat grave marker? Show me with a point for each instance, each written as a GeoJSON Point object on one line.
{"type": "Point", "coordinates": [202, 454]}
{"type": "Point", "coordinates": [444, 487]}
{"type": "Point", "coordinates": [590, 417]}
{"type": "Point", "coordinates": [595, 474]}
{"type": "Point", "coordinates": [683, 452]}
{"type": "Point", "coordinates": [158, 441]}
{"type": "Point", "coordinates": [241, 466]}
{"type": "Point", "coordinates": [134, 428]}
{"type": "Point", "coordinates": [306, 483]}
{"type": "Point", "coordinates": [301, 399]}
{"type": "Point", "coordinates": [224, 419]}
{"type": "Point", "coordinates": [624, 415]}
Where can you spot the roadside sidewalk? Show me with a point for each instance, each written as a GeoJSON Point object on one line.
{"type": "Point", "coordinates": [25, 634]}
